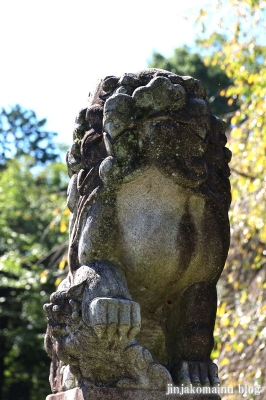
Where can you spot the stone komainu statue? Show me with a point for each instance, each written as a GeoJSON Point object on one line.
{"type": "Point", "coordinates": [149, 235]}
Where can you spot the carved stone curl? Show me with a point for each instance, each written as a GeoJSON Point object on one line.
{"type": "Point", "coordinates": [149, 235]}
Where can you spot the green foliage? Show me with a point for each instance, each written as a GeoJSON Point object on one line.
{"type": "Point", "coordinates": [32, 243]}
{"type": "Point", "coordinates": [21, 133]}
{"type": "Point", "coordinates": [29, 200]}
{"type": "Point", "coordinates": [184, 62]}
{"type": "Point", "coordinates": [241, 349]}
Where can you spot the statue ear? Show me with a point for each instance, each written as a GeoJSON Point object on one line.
{"type": "Point", "coordinates": [77, 290]}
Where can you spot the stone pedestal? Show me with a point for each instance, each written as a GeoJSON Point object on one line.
{"type": "Point", "coordinates": [123, 394]}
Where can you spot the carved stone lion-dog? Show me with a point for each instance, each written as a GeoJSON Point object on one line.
{"type": "Point", "coordinates": [149, 235]}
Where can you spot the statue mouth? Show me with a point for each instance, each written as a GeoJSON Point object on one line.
{"type": "Point", "coordinates": [116, 127]}
{"type": "Point", "coordinates": [200, 124]}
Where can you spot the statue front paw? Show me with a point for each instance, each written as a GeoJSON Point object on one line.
{"type": "Point", "coordinates": [197, 373]}
{"type": "Point", "coordinates": [145, 373]}
{"type": "Point", "coordinates": [63, 313]}
{"type": "Point", "coordinates": [113, 318]}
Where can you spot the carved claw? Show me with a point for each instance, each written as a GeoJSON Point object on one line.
{"type": "Point", "coordinates": [113, 318]}
{"type": "Point", "coordinates": [62, 313]}
{"type": "Point", "coordinates": [197, 373]}
{"type": "Point", "coordinates": [146, 374]}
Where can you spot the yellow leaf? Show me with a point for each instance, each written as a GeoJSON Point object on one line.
{"type": "Point", "coordinates": [224, 361]}
{"type": "Point", "coordinates": [236, 322]}
{"type": "Point", "coordinates": [43, 276]}
{"type": "Point", "coordinates": [63, 226]}
{"type": "Point", "coordinates": [253, 78]}
{"type": "Point", "coordinates": [43, 273]}
{"type": "Point", "coordinates": [225, 321]}
{"type": "Point", "coordinates": [250, 79]}
{"type": "Point", "coordinates": [263, 308]}
{"type": "Point", "coordinates": [227, 347]}
{"type": "Point", "coordinates": [236, 285]}
{"type": "Point", "coordinates": [215, 354]}
{"type": "Point", "coordinates": [58, 280]}
{"type": "Point", "coordinates": [232, 332]}
{"type": "Point", "coordinates": [236, 133]}
{"type": "Point", "coordinates": [230, 278]}
{"type": "Point", "coordinates": [239, 347]}
{"type": "Point", "coordinates": [250, 340]}
{"type": "Point", "coordinates": [243, 297]}
{"type": "Point", "coordinates": [234, 120]}
{"type": "Point", "coordinates": [62, 264]}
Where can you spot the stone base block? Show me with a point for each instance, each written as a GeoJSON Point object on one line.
{"type": "Point", "coordinates": [125, 394]}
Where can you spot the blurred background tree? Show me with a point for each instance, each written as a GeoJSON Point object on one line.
{"type": "Point", "coordinates": [33, 239]}
{"type": "Point", "coordinates": [21, 133]}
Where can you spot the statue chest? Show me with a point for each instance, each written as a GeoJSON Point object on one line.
{"type": "Point", "coordinates": [160, 228]}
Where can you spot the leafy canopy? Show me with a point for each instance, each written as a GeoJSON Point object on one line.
{"type": "Point", "coordinates": [33, 240]}
{"type": "Point", "coordinates": [21, 133]}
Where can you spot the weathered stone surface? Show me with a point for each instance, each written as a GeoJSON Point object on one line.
{"type": "Point", "coordinates": [120, 394]}
{"type": "Point", "coordinates": [149, 235]}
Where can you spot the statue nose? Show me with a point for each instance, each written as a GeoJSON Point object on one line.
{"type": "Point", "coordinates": [160, 94]}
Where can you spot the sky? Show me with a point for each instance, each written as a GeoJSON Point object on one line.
{"type": "Point", "coordinates": [53, 51]}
